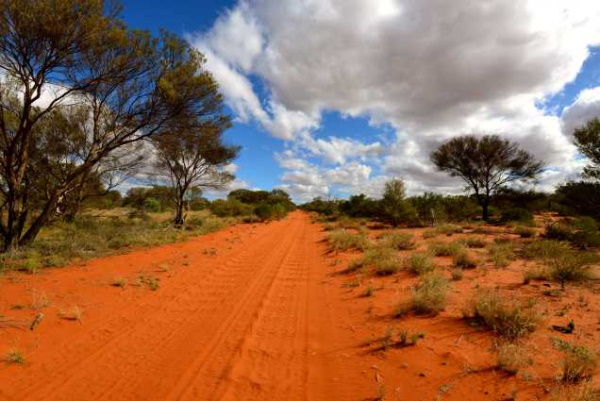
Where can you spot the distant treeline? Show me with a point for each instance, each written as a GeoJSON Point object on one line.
{"type": "Point", "coordinates": [581, 198]}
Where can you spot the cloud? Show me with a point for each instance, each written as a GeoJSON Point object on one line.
{"type": "Point", "coordinates": [431, 69]}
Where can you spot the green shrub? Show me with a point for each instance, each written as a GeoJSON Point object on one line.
{"type": "Point", "coordinates": [579, 363]}
{"type": "Point", "coordinates": [525, 232]}
{"type": "Point", "coordinates": [571, 266]}
{"type": "Point", "coordinates": [448, 229]}
{"type": "Point", "coordinates": [342, 240]}
{"type": "Point", "coordinates": [508, 318]}
{"type": "Point", "coordinates": [428, 297]}
{"type": "Point", "coordinates": [475, 242]}
{"type": "Point", "coordinates": [464, 261]}
{"type": "Point", "coordinates": [516, 214]}
{"type": "Point", "coordinates": [419, 263]}
{"type": "Point", "coordinates": [384, 260]}
{"type": "Point", "coordinates": [445, 248]}
{"type": "Point", "coordinates": [511, 357]}
{"type": "Point", "coordinates": [501, 254]}
{"type": "Point", "coordinates": [559, 232]}
{"type": "Point", "coordinates": [398, 241]}
{"type": "Point", "coordinates": [152, 205]}
{"type": "Point", "coordinates": [545, 249]}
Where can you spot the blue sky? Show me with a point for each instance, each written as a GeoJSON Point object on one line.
{"type": "Point", "coordinates": [334, 97]}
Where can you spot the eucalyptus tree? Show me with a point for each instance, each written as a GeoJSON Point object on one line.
{"type": "Point", "coordinates": [486, 164]}
{"type": "Point", "coordinates": [117, 87]}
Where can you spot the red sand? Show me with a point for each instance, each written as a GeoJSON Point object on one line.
{"type": "Point", "coordinates": [257, 312]}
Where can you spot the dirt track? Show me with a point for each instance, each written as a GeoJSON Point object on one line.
{"type": "Point", "coordinates": [240, 315]}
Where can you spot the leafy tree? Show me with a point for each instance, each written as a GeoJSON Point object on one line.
{"type": "Point", "coordinates": [193, 156]}
{"type": "Point", "coordinates": [580, 198]}
{"type": "Point", "coordinates": [587, 140]}
{"type": "Point", "coordinates": [486, 164]}
{"type": "Point", "coordinates": [121, 86]}
{"type": "Point", "coordinates": [395, 209]}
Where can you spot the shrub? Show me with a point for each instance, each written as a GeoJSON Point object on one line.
{"type": "Point", "coordinates": [445, 248]}
{"type": "Point", "coordinates": [501, 254]}
{"type": "Point", "coordinates": [545, 249]}
{"type": "Point", "coordinates": [580, 392]}
{"type": "Point", "coordinates": [419, 263]}
{"type": "Point", "coordinates": [571, 266]}
{"type": "Point", "coordinates": [559, 232]}
{"type": "Point", "coordinates": [511, 357]}
{"type": "Point", "coordinates": [579, 363]}
{"type": "Point", "coordinates": [457, 274]}
{"type": "Point", "coordinates": [428, 297]}
{"type": "Point", "coordinates": [463, 260]}
{"type": "Point", "coordinates": [384, 260]}
{"type": "Point", "coordinates": [15, 356]}
{"type": "Point", "coordinates": [152, 205]}
{"type": "Point", "coordinates": [475, 242]}
{"type": "Point", "coordinates": [401, 242]}
{"type": "Point", "coordinates": [525, 232]}
{"type": "Point", "coordinates": [448, 229]}
{"type": "Point", "coordinates": [516, 214]}
{"type": "Point", "coordinates": [508, 318]}
{"type": "Point", "coordinates": [342, 240]}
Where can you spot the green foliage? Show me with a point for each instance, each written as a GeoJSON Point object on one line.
{"type": "Point", "coordinates": [501, 254]}
{"type": "Point", "coordinates": [525, 232]}
{"type": "Point", "coordinates": [579, 363]}
{"type": "Point", "coordinates": [394, 208]}
{"type": "Point", "coordinates": [517, 214]}
{"type": "Point", "coordinates": [428, 297]}
{"type": "Point", "coordinates": [545, 249]}
{"type": "Point", "coordinates": [419, 263]}
{"type": "Point", "coordinates": [475, 242]}
{"type": "Point", "coordinates": [462, 260]}
{"type": "Point", "coordinates": [384, 260]}
{"type": "Point", "coordinates": [508, 318]}
{"type": "Point", "coordinates": [571, 266]}
{"type": "Point", "coordinates": [485, 163]}
{"type": "Point", "coordinates": [587, 140]}
{"type": "Point", "coordinates": [230, 207]}
{"type": "Point", "coordinates": [445, 248]}
{"type": "Point", "coordinates": [342, 240]}
{"type": "Point", "coordinates": [580, 198]}
{"type": "Point", "coordinates": [398, 241]}
{"type": "Point", "coordinates": [582, 231]}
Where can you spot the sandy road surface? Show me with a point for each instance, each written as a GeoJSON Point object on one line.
{"type": "Point", "coordinates": [241, 314]}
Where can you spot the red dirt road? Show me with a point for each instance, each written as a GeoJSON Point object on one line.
{"type": "Point", "coordinates": [243, 314]}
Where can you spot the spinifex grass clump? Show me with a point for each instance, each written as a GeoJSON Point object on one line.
{"type": "Point", "coordinates": [445, 248]}
{"type": "Point", "coordinates": [509, 318]}
{"type": "Point", "coordinates": [501, 253]}
{"type": "Point", "coordinates": [579, 363]}
{"type": "Point", "coordinates": [463, 260]}
{"type": "Point", "coordinates": [383, 260]}
{"type": "Point", "coordinates": [398, 241]}
{"type": "Point", "coordinates": [428, 297]}
{"type": "Point", "coordinates": [342, 240]}
{"type": "Point", "coordinates": [419, 263]}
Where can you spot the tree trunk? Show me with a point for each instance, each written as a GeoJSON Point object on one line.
{"type": "Point", "coordinates": [179, 219]}
{"type": "Point", "coordinates": [485, 212]}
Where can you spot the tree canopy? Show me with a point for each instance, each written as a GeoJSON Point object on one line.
{"type": "Point", "coordinates": [587, 140]}
{"type": "Point", "coordinates": [486, 164]}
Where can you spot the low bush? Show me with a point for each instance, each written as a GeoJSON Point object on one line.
{"type": "Point", "coordinates": [419, 263]}
{"type": "Point", "coordinates": [511, 357]}
{"type": "Point", "coordinates": [524, 232]}
{"type": "Point", "coordinates": [583, 391]}
{"type": "Point", "coordinates": [342, 240]}
{"type": "Point", "coordinates": [15, 356]}
{"type": "Point", "coordinates": [516, 214]}
{"type": "Point", "coordinates": [401, 242]}
{"type": "Point", "coordinates": [448, 229]}
{"type": "Point", "coordinates": [545, 249]}
{"type": "Point", "coordinates": [571, 266]}
{"type": "Point", "coordinates": [475, 242]}
{"type": "Point", "coordinates": [501, 253]}
{"type": "Point", "coordinates": [428, 297]}
{"type": "Point", "coordinates": [579, 362]}
{"type": "Point", "coordinates": [462, 260]}
{"type": "Point", "coordinates": [508, 318]}
{"type": "Point", "coordinates": [445, 248]}
{"type": "Point", "coordinates": [384, 260]}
